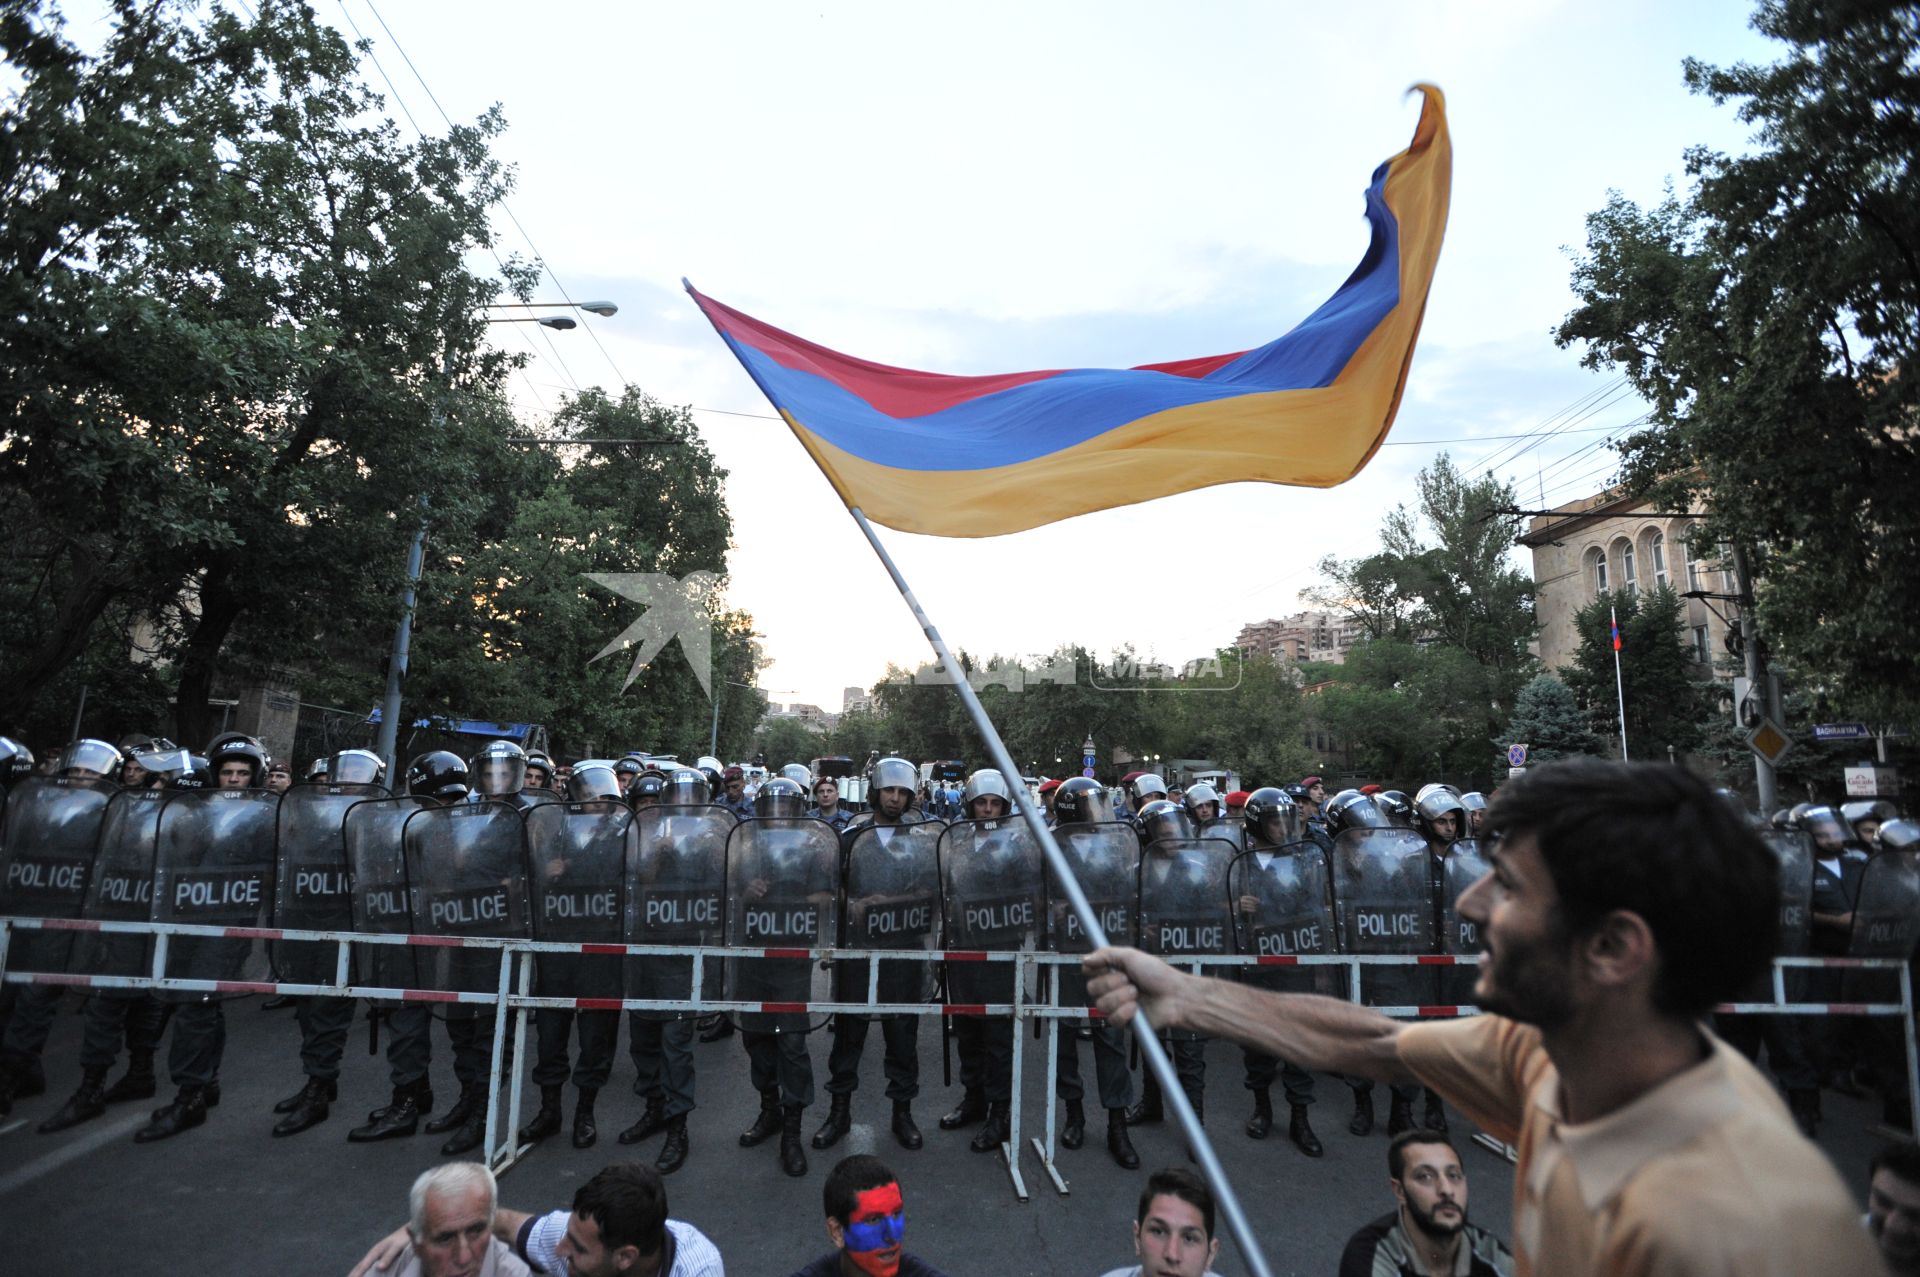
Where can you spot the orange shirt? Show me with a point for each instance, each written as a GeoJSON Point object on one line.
{"type": "Point", "coordinates": [1702, 1176]}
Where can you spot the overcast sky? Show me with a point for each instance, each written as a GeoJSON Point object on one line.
{"type": "Point", "coordinates": [993, 187]}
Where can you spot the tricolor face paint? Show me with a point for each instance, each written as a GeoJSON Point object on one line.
{"type": "Point", "coordinates": [874, 1231]}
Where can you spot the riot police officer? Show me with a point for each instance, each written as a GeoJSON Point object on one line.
{"type": "Point", "coordinates": [539, 770]}
{"type": "Point", "coordinates": [827, 805]}
{"type": "Point", "coordinates": [498, 773]}
{"type": "Point", "coordinates": [733, 794]}
{"type": "Point", "coordinates": [891, 784]}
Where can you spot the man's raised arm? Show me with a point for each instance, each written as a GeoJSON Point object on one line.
{"type": "Point", "coordinates": [1302, 1028]}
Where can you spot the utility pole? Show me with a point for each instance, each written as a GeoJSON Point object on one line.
{"type": "Point", "coordinates": [1764, 783]}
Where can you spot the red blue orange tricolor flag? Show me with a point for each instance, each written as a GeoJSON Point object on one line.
{"type": "Point", "coordinates": [973, 456]}
{"type": "Point", "coordinates": [1613, 624]}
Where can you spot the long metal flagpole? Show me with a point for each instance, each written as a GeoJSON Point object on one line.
{"type": "Point", "coordinates": [1619, 687]}
{"type": "Point", "coordinates": [1150, 1048]}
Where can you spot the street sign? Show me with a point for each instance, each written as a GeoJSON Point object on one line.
{"type": "Point", "coordinates": [1872, 782]}
{"type": "Point", "coordinates": [1516, 755]}
{"type": "Point", "coordinates": [1087, 772]}
{"type": "Point", "coordinates": [1840, 731]}
{"type": "Point", "coordinates": [1769, 741]}
{"type": "Point", "coordinates": [1515, 773]}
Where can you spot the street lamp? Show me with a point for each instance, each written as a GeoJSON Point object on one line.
{"type": "Point", "coordinates": [561, 322]}
{"type": "Point", "coordinates": [602, 309]}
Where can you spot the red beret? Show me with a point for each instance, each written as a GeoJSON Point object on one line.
{"type": "Point", "coordinates": [1048, 786]}
{"type": "Point", "coordinates": [1238, 798]}
{"type": "Point", "coordinates": [1370, 789]}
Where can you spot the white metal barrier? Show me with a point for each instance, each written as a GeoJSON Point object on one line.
{"type": "Point", "coordinates": [512, 995]}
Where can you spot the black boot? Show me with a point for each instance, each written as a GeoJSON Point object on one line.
{"type": "Point", "coordinates": [793, 1158]}
{"type": "Point", "coordinates": [673, 1153]}
{"type": "Point", "coordinates": [971, 1108]}
{"type": "Point", "coordinates": [1074, 1133]}
{"type": "Point", "coordinates": [1117, 1142]}
{"type": "Point", "coordinates": [715, 1027]}
{"type": "Point", "coordinates": [9, 1088]}
{"type": "Point", "coordinates": [85, 1104]}
{"type": "Point", "coordinates": [471, 1133]}
{"type": "Point", "coordinates": [310, 1107]}
{"type": "Point", "coordinates": [586, 1132]}
{"type": "Point", "coordinates": [278, 1001]}
{"type": "Point", "coordinates": [1300, 1131]}
{"type": "Point", "coordinates": [767, 1125]}
{"type": "Point", "coordinates": [188, 1110]}
{"type": "Point", "coordinates": [1262, 1120]}
{"type": "Point", "coordinates": [904, 1129]}
{"type": "Point", "coordinates": [993, 1132]}
{"type": "Point", "coordinates": [137, 1083]}
{"type": "Point", "coordinates": [1150, 1108]}
{"type": "Point", "coordinates": [545, 1122]}
{"type": "Point", "coordinates": [1399, 1117]}
{"type": "Point", "coordinates": [651, 1122]}
{"type": "Point", "coordinates": [1436, 1114]}
{"type": "Point", "coordinates": [470, 1098]}
{"type": "Point", "coordinates": [1362, 1123]}
{"type": "Point", "coordinates": [397, 1120]}
{"type": "Point", "coordinates": [839, 1119]}
{"type": "Point", "coordinates": [421, 1093]}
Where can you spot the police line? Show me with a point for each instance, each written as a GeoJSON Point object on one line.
{"type": "Point", "coordinates": [512, 994]}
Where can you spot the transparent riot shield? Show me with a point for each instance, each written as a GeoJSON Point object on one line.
{"type": "Point", "coordinates": [1106, 860]}
{"type": "Point", "coordinates": [891, 901]}
{"type": "Point", "coordinates": [313, 889]}
{"type": "Point", "coordinates": [1794, 850]}
{"type": "Point", "coordinates": [676, 895]}
{"type": "Point", "coordinates": [782, 893]}
{"type": "Point", "coordinates": [994, 884]}
{"type": "Point", "coordinates": [381, 902]}
{"type": "Point", "coordinates": [1184, 909]}
{"type": "Point", "coordinates": [467, 877]}
{"type": "Point", "coordinates": [1464, 865]}
{"type": "Point", "coordinates": [214, 867]}
{"type": "Point", "coordinates": [1383, 904]}
{"type": "Point", "coordinates": [1282, 909]}
{"type": "Point", "coordinates": [531, 798]}
{"type": "Point", "coordinates": [47, 843]}
{"type": "Point", "coordinates": [121, 886]}
{"type": "Point", "coordinates": [1231, 829]}
{"type": "Point", "coordinates": [1886, 923]}
{"type": "Point", "coordinates": [576, 871]}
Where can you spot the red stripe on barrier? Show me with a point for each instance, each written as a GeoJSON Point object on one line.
{"type": "Point", "coordinates": [784, 1008]}
{"type": "Point", "coordinates": [428, 995]}
{"type": "Point", "coordinates": [1279, 960]}
{"type": "Point", "coordinates": [1443, 1012]}
{"type": "Point", "coordinates": [70, 924]}
{"type": "Point", "coordinates": [964, 955]}
{"type": "Point", "coordinates": [614, 950]}
{"type": "Point", "coordinates": [597, 1004]}
{"type": "Point", "coordinates": [967, 1008]}
{"type": "Point", "coordinates": [788, 953]}
{"type": "Point", "coordinates": [1439, 960]}
{"type": "Point", "coordinates": [1846, 1008]}
{"type": "Point", "coordinates": [437, 942]}
{"type": "Point", "coordinates": [250, 933]}
{"type": "Point", "coordinates": [245, 986]}
{"type": "Point", "coordinates": [71, 981]}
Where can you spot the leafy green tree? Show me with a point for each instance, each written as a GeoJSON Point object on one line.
{"type": "Point", "coordinates": [787, 740]}
{"type": "Point", "coordinates": [1667, 705]}
{"type": "Point", "coordinates": [1769, 316]}
{"type": "Point", "coordinates": [1549, 721]}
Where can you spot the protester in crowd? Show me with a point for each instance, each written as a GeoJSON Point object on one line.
{"type": "Point", "coordinates": [866, 1222]}
{"type": "Point", "coordinates": [453, 1210]}
{"type": "Point", "coordinates": [1427, 1232]}
{"type": "Point", "coordinates": [1893, 1206]}
{"type": "Point", "coordinates": [1173, 1227]}
{"type": "Point", "coordinates": [1625, 901]}
{"type": "Point", "coordinates": [618, 1225]}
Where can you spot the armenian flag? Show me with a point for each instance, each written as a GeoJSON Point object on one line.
{"type": "Point", "coordinates": [976, 456]}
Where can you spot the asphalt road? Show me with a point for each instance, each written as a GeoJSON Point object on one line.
{"type": "Point", "coordinates": [227, 1197]}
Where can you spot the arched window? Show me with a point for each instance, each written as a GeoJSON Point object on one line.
{"type": "Point", "coordinates": [1657, 557]}
{"type": "Point", "coordinates": [1629, 578]}
{"type": "Point", "coordinates": [1597, 570]}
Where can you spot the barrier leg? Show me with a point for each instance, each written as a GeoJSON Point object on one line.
{"type": "Point", "coordinates": [1011, 1149]}
{"type": "Point", "coordinates": [6, 942]}
{"type": "Point", "coordinates": [1907, 1036]}
{"type": "Point", "coordinates": [1052, 1032]}
{"type": "Point", "coordinates": [516, 1085]}
{"type": "Point", "coordinates": [493, 1152]}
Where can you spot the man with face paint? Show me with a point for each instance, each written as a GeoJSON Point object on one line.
{"type": "Point", "coordinates": [867, 1222]}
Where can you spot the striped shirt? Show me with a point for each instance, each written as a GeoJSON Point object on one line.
{"type": "Point", "coordinates": [689, 1253]}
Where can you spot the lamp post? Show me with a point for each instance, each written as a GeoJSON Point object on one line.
{"type": "Point", "coordinates": [387, 744]}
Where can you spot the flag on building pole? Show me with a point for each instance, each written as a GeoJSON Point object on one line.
{"type": "Point", "coordinates": [985, 455]}
{"type": "Point", "coordinates": [1619, 686]}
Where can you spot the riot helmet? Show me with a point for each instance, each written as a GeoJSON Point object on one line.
{"type": "Point", "coordinates": [1397, 806]}
{"type": "Point", "coordinates": [1144, 788]}
{"type": "Point", "coordinates": [439, 774]}
{"type": "Point", "coordinates": [1473, 807]}
{"type": "Point", "coordinates": [715, 772]}
{"type": "Point", "coordinates": [1164, 820]}
{"type": "Point", "coordinates": [16, 760]}
{"type": "Point", "coordinates": [319, 770]}
{"type": "Point", "coordinates": [540, 763]}
{"type": "Point", "coordinates": [1797, 815]}
{"type": "Point", "coordinates": [1781, 819]}
{"type": "Point", "coordinates": [1434, 802]}
{"type": "Point", "coordinates": [1200, 794]}
{"type": "Point", "coordinates": [195, 774]}
{"type": "Point", "coordinates": [799, 775]}
{"type": "Point", "coordinates": [1900, 835]}
{"type": "Point", "coordinates": [235, 748]}
{"type": "Point", "coordinates": [686, 787]}
{"type": "Point", "coordinates": [90, 757]}
{"type": "Point", "coordinates": [1296, 792]}
{"type": "Point", "coordinates": [892, 773]}
{"type": "Point", "coordinates": [1082, 800]}
{"type": "Point", "coordinates": [647, 788]}
{"type": "Point", "coordinates": [1866, 817]}
{"type": "Point", "coordinates": [1351, 809]}
{"type": "Point", "coordinates": [499, 770]}
{"type": "Point", "coordinates": [593, 779]}
{"type": "Point", "coordinates": [1271, 817]}
{"type": "Point", "coordinates": [985, 783]}
{"type": "Point", "coordinates": [167, 765]}
{"type": "Point", "coordinates": [780, 799]}
{"type": "Point", "coordinates": [1829, 832]}
{"type": "Point", "coordinates": [356, 767]}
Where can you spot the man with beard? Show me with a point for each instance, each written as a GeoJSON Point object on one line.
{"type": "Point", "coordinates": [1427, 1232]}
{"type": "Point", "coordinates": [1625, 901]}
